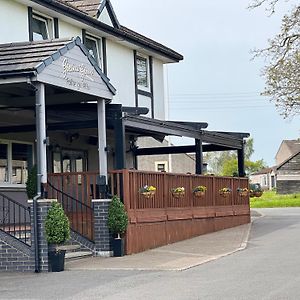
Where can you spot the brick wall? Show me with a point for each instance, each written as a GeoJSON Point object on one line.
{"type": "Point", "coordinates": [14, 255]}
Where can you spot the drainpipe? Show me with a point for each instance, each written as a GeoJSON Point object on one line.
{"type": "Point", "coordinates": [41, 160]}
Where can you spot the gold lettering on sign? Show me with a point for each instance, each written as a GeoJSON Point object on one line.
{"type": "Point", "coordinates": [84, 73]}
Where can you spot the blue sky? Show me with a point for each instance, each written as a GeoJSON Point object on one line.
{"type": "Point", "coordinates": [217, 82]}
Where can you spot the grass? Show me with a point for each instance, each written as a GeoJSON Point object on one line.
{"type": "Point", "coordinates": [271, 199]}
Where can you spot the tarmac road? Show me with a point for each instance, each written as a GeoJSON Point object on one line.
{"type": "Point", "coordinates": [269, 268]}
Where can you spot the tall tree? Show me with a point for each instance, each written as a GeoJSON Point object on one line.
{"type": "Point", "coordinates": [282, 70]}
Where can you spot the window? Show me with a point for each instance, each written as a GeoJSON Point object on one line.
{"type": "Point", "coordinates": [161, 166]}
{"type": "Point", "coordinates": [92, 44]}
{"type": "Point", "coordinates": [41, 28]}
{"type": "Point", "coordinates": [15, 162]}
{"type": "Point", "coordinates": [142, 71]}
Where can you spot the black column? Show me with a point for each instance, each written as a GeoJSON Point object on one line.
{"type": "Point", "coordinates": [199, 157]}
{"type": "Point", "coordinates": [241, 162]}
{"type": "Point", "coordinates": [120, 149]}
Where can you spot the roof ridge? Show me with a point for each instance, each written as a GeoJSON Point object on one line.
{"type": "Point", "coordinates": [15, 44]}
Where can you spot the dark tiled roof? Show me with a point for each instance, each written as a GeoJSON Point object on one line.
{"type": "Point", "coordinates": [30, 57]}
{"type": "Point", "coordinates": [73, 9]}
{"type": "Point", "coordinates": [89, 7]}
{"type": "Point", "coordinates": [149, 41]}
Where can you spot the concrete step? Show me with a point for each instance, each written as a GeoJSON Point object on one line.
{"type": "Point", "coordinates": [78, 255]}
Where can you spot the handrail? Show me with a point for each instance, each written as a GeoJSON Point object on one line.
{"type": "Point", "coordinates": [15, 219]}
{"type": "Point", "coordinates": [81, 215]}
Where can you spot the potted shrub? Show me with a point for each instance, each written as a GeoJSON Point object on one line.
{"type": "Point", "coordinates": [117, 223]}
{"type": "Point", "coordinates": [57, 232]}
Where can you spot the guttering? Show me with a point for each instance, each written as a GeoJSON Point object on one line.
{"type": "Point", "coordinates": [119, 33]}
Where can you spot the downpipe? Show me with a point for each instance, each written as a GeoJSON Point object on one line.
{"type": "Point", "coordinates": [36, 233]}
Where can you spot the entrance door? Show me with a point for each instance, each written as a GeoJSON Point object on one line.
{"type": "Point", "coordinates": [69, 161]}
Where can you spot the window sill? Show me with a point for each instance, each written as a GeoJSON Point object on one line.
{"type": "Point", "coordinates": [12, 187]}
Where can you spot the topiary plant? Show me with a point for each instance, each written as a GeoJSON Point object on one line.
{"type": "Point", "coordinates": [57, 225]}
{"type": "Point", "coordinates": [117, 217]}
{"type": "Point", "coordinates": [31, 183]}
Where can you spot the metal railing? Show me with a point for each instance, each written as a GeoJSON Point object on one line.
{"type": "Point", "coordinates": [80, 215]}
{"type": "Point", "coordinates": [15, 219]}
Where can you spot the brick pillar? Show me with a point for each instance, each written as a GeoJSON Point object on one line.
{"type": "Point", "coordinates": [101, 231]}
{"type": "Point", "coordinates": [43, 206]}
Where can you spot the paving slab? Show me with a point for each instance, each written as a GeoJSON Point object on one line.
{"type": "Point", "coordinates": [174, 257]}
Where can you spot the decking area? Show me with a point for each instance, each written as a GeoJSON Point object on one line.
{"type": "Point", "coordinates": [161, 218]}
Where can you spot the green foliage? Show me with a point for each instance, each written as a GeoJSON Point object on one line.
{"type": "Point", "coordinates": [230, 167]}
{"type": "Point", "coordinates": [117, 216]}
{"type": "Point", "coordinates": [282, 60]}
{"type": "Point", "coordinates": [57, 225]}
{"type": "Point", "coordinates": [271, 199]}
{"type": "Point", "coordinates": [31, 183]}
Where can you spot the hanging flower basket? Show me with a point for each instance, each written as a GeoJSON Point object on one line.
{"type": "Point", "coordinates": [178, 192]}
{"type": "Point", "coordinates": [225, 192]}
{"type": "Point", "coordinates": [148, 191]}
{"type": "Point", "coordinates": [199, 191]}
{"type": "Point", "coordinates": [243, 192]}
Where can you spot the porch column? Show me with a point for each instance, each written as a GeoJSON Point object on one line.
{"type": "Point", "coordinates": [102, 140]}
{"type": "Point", "coordinates": [120, 148]}
{"type": "Point", "coordinates": [41, 139]}
{"type": "Point", "coordinates": [241, 162]}
{"type": "Point", "coordinates": [199, 157]}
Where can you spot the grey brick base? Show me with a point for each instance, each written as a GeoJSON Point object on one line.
{"type": "Point", "coordinates": [101, 231]}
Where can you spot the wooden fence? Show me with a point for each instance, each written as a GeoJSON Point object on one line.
{"type": "Point", "coordinates": [164, 219]}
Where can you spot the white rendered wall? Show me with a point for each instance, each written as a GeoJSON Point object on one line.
{"type": "Point", "coordinates": [13, 22]}
{"type": "Point", "coordinates": [158, 90]}
{"type": "Point", "coordinates": [68, 31]}
{"type": "Point", "coordinates": [120, 70]}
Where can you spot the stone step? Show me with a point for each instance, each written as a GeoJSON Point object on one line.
{"type": "Point", "coordinates": [78, 255]}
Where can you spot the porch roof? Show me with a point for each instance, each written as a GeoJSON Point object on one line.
{"type": "Point", "coordinates": [64, 63]}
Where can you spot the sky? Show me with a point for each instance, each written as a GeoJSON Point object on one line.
{"type": "Point", "coordinates": [217, 82]}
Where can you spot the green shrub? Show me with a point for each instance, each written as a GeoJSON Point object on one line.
{"type": "Point", "coordinates": [117, 217]}
{"type": "Point", "coordinates": [57, 225]}
{"type": "Point", "coordinates": [31, 183]}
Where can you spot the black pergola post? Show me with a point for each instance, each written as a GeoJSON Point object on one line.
{"type": "Point", "coordinates": [199, 156]}
{"type": "Point", "coordinates": [241, 162]}
{"type": "Point", "coordinates": [120, 150]}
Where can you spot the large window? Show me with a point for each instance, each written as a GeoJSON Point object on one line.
{"type": "Point", "coordinates": [93, 45]}
{"type": "Point", "coordinates": [41, 28]}
{"type": "Point", "coordinates": [142, 71]}
{"type": "Point", "coordinates": [15, 162]}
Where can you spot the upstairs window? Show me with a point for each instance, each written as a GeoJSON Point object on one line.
{"type": "Point", "coordinates": [41, 28]}
{"type": "Point", "coordinates": [92, 44]}
{"type": "Point", "coordinates": [142, 72]}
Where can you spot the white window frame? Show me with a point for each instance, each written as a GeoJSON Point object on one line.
{"type": "Point", "coordinates": [165, 162]}
{"type": "Point", "coordinates": [145, 57]}
{"type": "Point", "coordinates": [9, 162]}
{"type": "Point", "coordinates": [98, 41]}
{"type": "Point", "coordinates": [49, 22]}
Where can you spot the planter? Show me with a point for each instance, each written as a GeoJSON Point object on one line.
{"type": "Point", "coordinates": [225, 194]}
{"type": "Point", "coordinates": [149, 194]}
{"type": "Point", "coordinates": [258, 194]}
{"type": "Point", "coordinates": [199, 194]}
{"type": "Point", "coordinates": [243, 194]}
{"type": "Point", "coordinates": [118, 247]}
{"type": "Point", "coordinates": [178, 194]}
{"type": "Point", "coordinates": [56, 260]}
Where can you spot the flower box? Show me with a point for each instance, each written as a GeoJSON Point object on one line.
{"type": "Point", "coordinates": [178, 192]}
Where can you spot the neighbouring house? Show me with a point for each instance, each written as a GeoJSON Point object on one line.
{"type": "Point", "coordinates": [265, 177]}
{"type": "Point", "coordinates": [78, 93]}
{"type": "Point", "coordinates": [288, 169]}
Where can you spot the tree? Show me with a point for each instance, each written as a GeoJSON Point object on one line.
{"type": "Point", "coordinates": [282, 70]}
{"type": "Point", "coordinates": [226, 164]}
